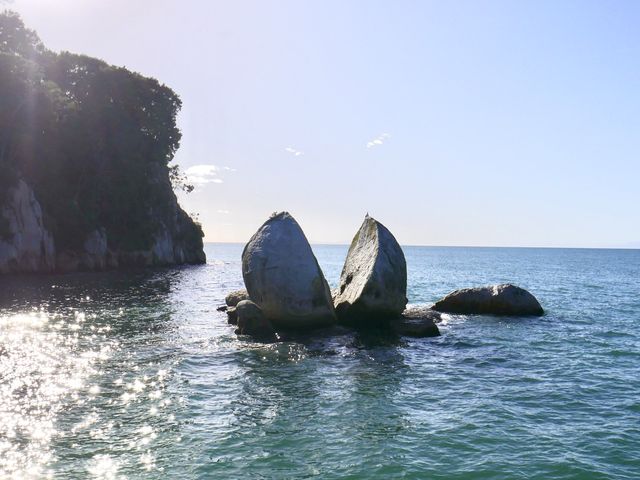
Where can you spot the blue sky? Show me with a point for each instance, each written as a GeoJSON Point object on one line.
{"type": "Point", "coordinates": [454, 123]}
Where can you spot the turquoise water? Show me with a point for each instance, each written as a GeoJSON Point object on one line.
{"type": "Point", "coordinates": [135, 375]}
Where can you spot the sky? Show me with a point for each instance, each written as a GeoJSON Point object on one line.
{"type": "Point", "coordinates": [474, 123]}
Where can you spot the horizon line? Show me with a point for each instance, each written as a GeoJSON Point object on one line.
{"type": "Point", "coordinates": [454, 246]}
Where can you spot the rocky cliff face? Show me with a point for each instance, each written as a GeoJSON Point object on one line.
{"type": "Point", "coordinates": [27, 246]}
{"type": "Point", "coordinates": [85, 154]}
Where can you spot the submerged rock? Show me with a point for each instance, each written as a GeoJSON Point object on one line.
{"type": "Point", "coordinates": [233, 298]}
{"type": "Point", "coordinates": [283, 277]}
{"type": "Point", "coordinates": [503, 299]}
{"type": "Point", "coordinates": [417, 322]}
{"type": "Point", "coordinates": [252, 321]}
{"type": "Point", "coordinates": [373, 283]}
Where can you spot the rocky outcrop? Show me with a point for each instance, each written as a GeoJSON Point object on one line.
{"type": "Point", "coordinates": [417, 322]}
{"type": "Point", "coordinates": [232, 315]}
{"type": "Point", "coordinates": [503, 299]}
{"type": "Point", "coordinates": [373, 283]}
{"type": "Point", "coordinates": [27, 246]}
{"type": "Point", "coordinates": [233, 298]}
{"type": "Point", "coordinates": [25, 243]}
{"type": "Point", "coordinates": [94, 255]}
{"type": "Point", "coordinates": [252, 321]}
{"type": "Point", "coordinates": [178, 240]}
{"type": "Point", "coordinates": [86, 185]}
{"type": "Point", "coordinates": [231, 301]}
{"type": "Point", "coordinates": [283, 277]}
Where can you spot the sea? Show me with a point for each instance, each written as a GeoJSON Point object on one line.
{"type": "Point", "coordinates": [135, 375]}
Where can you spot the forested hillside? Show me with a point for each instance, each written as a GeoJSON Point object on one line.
{"type": "Point", "coordinates": [90, 144]}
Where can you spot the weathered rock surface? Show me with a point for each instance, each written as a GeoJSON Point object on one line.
{"type": "Point", "coordinates": [422, 311]}
{"type": "Point", "coordinates": [283, 277]}
{"type": "Point", "coordinates": [503, 299]}
{"type": "Point", "coordinates": [231, 301]}
{"type": "Point", "coordinates": [373, 283]}
{"type": "Point", "coordinates": [94, 255]}
{"type": "Point", "coordinates": [27, 246]}
{"type": "Point", "coordinates": [417, 322]}
{"type": "Point", "coordinates": [233, 298]}
{"type": "Point", "coordinates": [25, 243]}
{"type": "Point", "coordinates": [175, 241]}
{"type": "Point", "coordinates": [232, 315]}
{"type": "Point", "coordinates": [252, 321]}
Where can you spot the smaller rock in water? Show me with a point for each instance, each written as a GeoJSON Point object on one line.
{"type": "Point", "coordinates": [417, 322]}
{"type": "Point", "coordinates": [232, 315]}
{"type": "Point", "coordinates": [233, 298]}
{"type": "Point", "coordinates": [503, 299]}
{"type": "Point", "coordinates": [251, 321]}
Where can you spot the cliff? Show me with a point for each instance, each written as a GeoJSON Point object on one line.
{"type": "Point", "coordinates": [85, 147]}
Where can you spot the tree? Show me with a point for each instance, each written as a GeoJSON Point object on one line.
{"type": "Point", "coordinates": [93, 140]}
{"type": "Point", "coordinates": [179, 180]}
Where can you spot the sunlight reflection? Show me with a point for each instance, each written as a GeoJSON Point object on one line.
{"type": "Point", "coordinates": [41, 363]}
{"type": "Point", "coordinates": [103, 467]}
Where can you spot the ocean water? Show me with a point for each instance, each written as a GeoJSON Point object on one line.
{"type": "Point", "coordinates": [135, 375]}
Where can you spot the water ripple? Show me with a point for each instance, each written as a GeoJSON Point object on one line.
{"type": "Point", "coordinates": [136, 375]}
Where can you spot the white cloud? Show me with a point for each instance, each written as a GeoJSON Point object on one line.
{"type": "Point", "coordinates": [224, 212]}
{"type": "Point", "coordinates": [204, 174]}
{"type": "Point", "coordinates": [379, 140]}
{"type": "Point", "coordinates": [293, 151]}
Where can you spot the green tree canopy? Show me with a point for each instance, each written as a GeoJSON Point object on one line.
{"type": "Point", "coordinates": [93, 140]}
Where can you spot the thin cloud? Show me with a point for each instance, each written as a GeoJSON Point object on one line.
{"type": "Point", "coordinates": [378, 140]}
{"type": "Point", "coordinates": [293, 151]}
{"type": "Point", "coordinates": [203, 174]}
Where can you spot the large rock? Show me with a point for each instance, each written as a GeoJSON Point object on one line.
{"type": "Point", "coordinates": [373, 283]}
{"type": "Point", "coordinates": [504, 299]}
{"type": "Point", "coordinates": [283, 277]}
{"type": "Point", "coordinates": [25, 244]}
{"type": "Point", "coordinates": [252, 321]}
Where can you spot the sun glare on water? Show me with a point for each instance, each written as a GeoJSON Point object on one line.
{"type": "Point", "coordinates": [42, 366]}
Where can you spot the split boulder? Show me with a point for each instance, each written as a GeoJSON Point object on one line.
{"type": "Point", "coordinates": [373, 283]}
{"type": "Point", "coordinates": [283, 277]}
